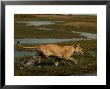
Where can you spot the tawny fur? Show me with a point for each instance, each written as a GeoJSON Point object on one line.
{"type": "Point", "coordinates": [56, 50]}
{"type": "Point", "coordinates": [64, 52]}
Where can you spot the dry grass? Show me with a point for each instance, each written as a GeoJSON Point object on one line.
{"type": "Point", "coordinates": [81, 24]}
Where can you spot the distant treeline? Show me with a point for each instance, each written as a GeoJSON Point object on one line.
{"type": "Point", "coordinates": [24, 16]}
{"type": "Point", "coordinates": [19, 16]}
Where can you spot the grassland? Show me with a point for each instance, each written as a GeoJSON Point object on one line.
{"type": "Point", "coordinates": [35, 32]}
{"type": "Point", "coordinates": [68, 23]}
{"type": "Point", "coordinates": [59, 17]}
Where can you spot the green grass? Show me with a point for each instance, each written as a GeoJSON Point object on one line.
{"type": "Point", "coordinates": [34, 32]}
{"type": "Point", "coordinates": [52, 70]}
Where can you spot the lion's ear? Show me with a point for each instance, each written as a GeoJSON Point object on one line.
{"type": "Point", "coordinates": [74, 46]}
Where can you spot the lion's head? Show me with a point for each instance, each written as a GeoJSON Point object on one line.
{"type": "Point", "coordinates": [78, 49]}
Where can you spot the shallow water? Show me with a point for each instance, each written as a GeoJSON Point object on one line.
{"type": "Point", "coordinates": [37, 41]}
{"type": "Point", "coordinates": [21, 54]}
{"type": "Point", "coordinates": [45, 29]}
{"type": "Point", "coordinates": [84, 36]}
{"type": "Point", "coordinates": [87, 35]}
{"type": "Point", "coordinates": [37, 23]}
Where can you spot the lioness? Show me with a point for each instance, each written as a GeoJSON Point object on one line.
{"type": "Point", "coordinates": [56, 50]}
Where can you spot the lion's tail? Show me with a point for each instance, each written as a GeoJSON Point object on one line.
{"type": "Point", "coordinates": [29, 47]}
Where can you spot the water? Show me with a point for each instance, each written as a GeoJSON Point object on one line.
{"type": "Point", "coordinates": [38, 23]}
{"type": "Point", "coordinates": [87, 35]}
{"type": "Point", "coordinates": [45, 29]}
{"type": "Point", "coordinates": [41, 41]}
{"type": "Point", "coordinates": [21, 54]}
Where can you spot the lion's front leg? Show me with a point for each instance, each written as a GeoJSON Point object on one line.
{"type": "Point", "coordinates": [72, 59]}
